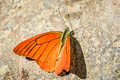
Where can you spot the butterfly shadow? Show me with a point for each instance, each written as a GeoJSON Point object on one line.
{"type": "Point", "coordinates": [78, 66]}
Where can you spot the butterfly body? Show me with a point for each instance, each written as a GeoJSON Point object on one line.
{"type": "Point", "coordinates": [50, 50]}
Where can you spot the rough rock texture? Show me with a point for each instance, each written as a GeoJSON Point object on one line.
{"type": "Point", "coordinates": [96, 24]}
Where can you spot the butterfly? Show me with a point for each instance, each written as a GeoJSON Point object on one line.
{"type": "Point", "coordinates": [50, 50]}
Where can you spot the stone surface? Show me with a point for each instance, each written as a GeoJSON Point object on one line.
{"type": "Point", "coordinates": [96, 24]}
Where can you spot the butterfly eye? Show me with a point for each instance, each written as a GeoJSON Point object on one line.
{"type": "Point", "coordinates": [72, 33]}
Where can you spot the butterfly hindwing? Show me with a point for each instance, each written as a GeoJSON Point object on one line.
{"type": "Point", "coordinates": [64, 60]}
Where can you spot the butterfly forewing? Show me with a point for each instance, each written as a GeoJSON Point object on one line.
{"type": "Point", "coordinates": [48, 60]}
{"type": "Point", "coordinates": [25, 47]}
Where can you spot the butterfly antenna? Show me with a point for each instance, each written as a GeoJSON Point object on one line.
{"type": "Point", "coordinates": [68, 15]}
{"type": "Point", "coordinates": [64, 20]}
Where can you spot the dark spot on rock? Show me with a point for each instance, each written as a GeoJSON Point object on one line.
{"type": "Point", "coordinates": [114, 3]}
{"type": "Point", "coordinates": [7, 76]}
{"type": "Point", "coordinates": [25, 74]}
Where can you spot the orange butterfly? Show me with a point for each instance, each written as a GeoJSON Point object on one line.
{"type": "Point", "coordinates": [50, 50]}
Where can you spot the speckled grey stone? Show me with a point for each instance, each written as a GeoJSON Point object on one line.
{"type": "Point", "coordinates": [96, 24]}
